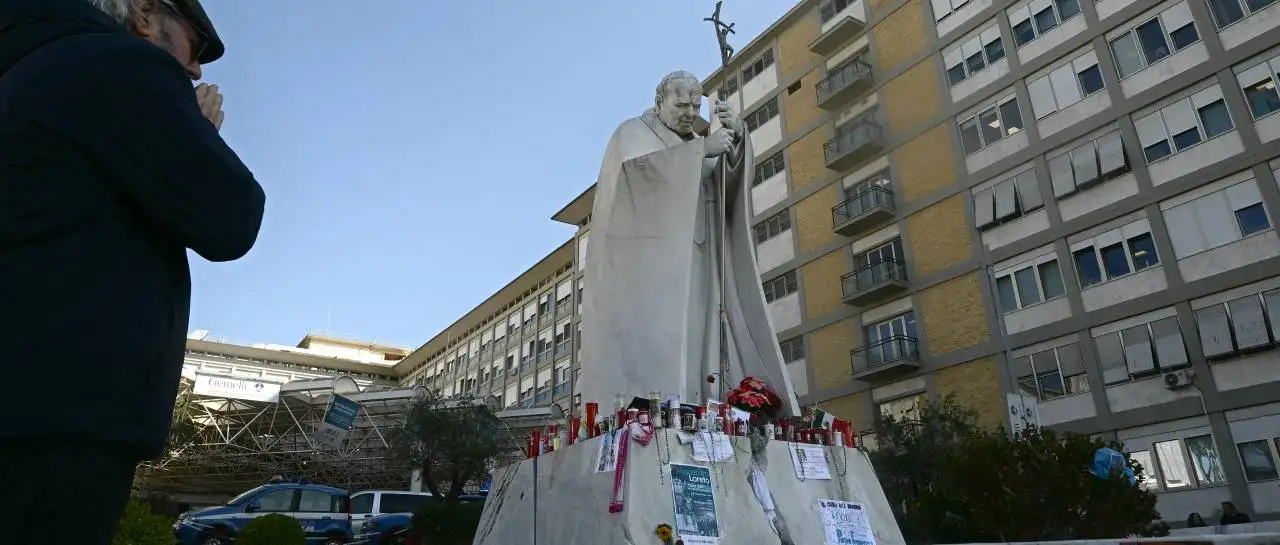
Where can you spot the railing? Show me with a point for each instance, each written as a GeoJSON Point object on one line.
{"type": "Point", "coordinates": [562, 388]}
{"type": "Point", "coordinates": [543, 396]}
{"type": "Point", "coordinates": [563, 306]}
{"type": "Point", "coordinates": [544, 356]}
{"type": "Point", "coordinates": [862, 202]}
{"type": "Point", "coordinates": [851, 137]}
{"type": "Point", "coordinates": [562, 348]}
{"type": "Point", "coordinates": [885, 351]}
{"type": "Point", "coordinates": [844, 76]}
{"type": "Point", "coordinates": [873, 275]}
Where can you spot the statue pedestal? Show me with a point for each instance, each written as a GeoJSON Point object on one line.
{"type": "Point", "coordinates": [564, 500]}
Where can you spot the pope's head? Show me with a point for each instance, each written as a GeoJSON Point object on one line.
{"type": "Point", "coordinates": [679, 101]}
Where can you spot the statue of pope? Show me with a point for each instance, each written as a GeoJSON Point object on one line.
{"type": "Point", "coordinates": [651, 316]}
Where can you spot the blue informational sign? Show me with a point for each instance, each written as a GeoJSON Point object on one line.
{"type": "Point", "coordinates": [342, 413]}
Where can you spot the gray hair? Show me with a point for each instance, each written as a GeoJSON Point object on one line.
{"type": "Point", "coordinates": [679, 75]}
{"type": "Point", "coordinates": [121, 11]}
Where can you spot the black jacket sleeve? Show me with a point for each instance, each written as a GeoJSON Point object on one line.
{"type": "Point", "coordinates": [130, 106]}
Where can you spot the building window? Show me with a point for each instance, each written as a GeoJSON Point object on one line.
{"type": "Point", "coordinates": [1163, 35]}
{"type": "Point", "coordinates": [1216, 219]}
{"type": "Point", "coordinates": [1259, 460]}
{"type": "Point", "coordinates": [1065, 85]}
{"type": "Point", "coordinates": [891, 252]}
{"type": "Point", "coordinates": [773, 226]}
{"type": "Point", "coordinates": [892, 340]}
{"type": "Point", "coordinates": [829, 10]}
{"type": "Point", "coordinates": [1031, 20]}
{"type": "Point", "coordinates": [792, 349]}
{"type": "Point", "coordinates": [769, 168]}
{"type": "Point", "coordinates": [1110, 257]}
{"type": "Point", "coordinates": [901, 409]}
{"type": "Point", "coordinates": [974, 55]}
{"type": "Point", "coordinates": [1052, 373]}
{"type": "Point", "coordinates": [1243, 325]}
{"type": "Point", "coordinates": [1141, 350]}
{"type": "Point", "coordinates": [1259, 86]}
{"type": "Point", "coordinates": [1088, 164]}
{"type": "Point", "coordinates": [730, 86]}
{"type": "Point", "coordinates": [1183, 124]}
{"type": "Point", "coordinates": [780, 287]}
{"type": "Point", "coordinates": [990, 125]}
{"type": "Point", "coordinates": [1181, 464]}
{"type": "Point", "coordinates": [762, 115]}
{"type": "Point", "coordinates": [1007, 200]}
{"type": "Point", "coordinates": [1028, 285]}
{"type": "Point", "coordinates": [756, 68]}
{"type": "Point", "coordinates": [1227, 12]}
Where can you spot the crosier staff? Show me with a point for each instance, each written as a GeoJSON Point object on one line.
{"type": "Point", "coordinates": [726, 52]}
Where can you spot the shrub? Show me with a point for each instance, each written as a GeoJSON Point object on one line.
{"type": "Point", "coordinates": [139, 527]}
{"type": "Point", "coordinates": [447, 522]}
{"type": "Point", "coordinates": [273, 529]}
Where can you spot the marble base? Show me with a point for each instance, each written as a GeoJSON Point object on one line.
{"type": "Point", "coordinates": [571, 500]}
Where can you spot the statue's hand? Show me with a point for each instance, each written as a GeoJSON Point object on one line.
{"type": "Point", "coordinates": [719, 143]}
{"type": "Point", "coordinates": [728, 118]}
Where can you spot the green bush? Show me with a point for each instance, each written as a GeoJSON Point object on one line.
{"type": "Point", "coordinates": [273, 529]}
{"type": "Point", "coordinates": [448, 522]}
{"type": "Point", "coordinates": [139, 527]}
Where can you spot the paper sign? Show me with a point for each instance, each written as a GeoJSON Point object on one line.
{"type": "Point", "coordinates": [607, 452]}
{"type": "Point", "coordinates": [845, 523]}
{"type": "Point", "coordinates": [695, 505]}
{"type": "Point", "coordinates": [712, 447]}
{"type": "Point", "coordinates": [810, 462]}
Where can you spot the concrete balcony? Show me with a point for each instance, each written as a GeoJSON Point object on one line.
{"type": "Point", "coordinates": [844, 29]}
{"type": "Point", "coordinates": [875, 281]}
{"type": "Point", "coordinates": [854, 143]}
{"type": "Point", "coordinates": [863, 210]}
{"type": "Point", "coordinates": [886, 358]}
{"type": "Point", "coordinates": [844, 84]}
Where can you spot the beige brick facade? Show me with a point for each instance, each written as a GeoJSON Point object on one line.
{"type": "Point", "coordinates": [794, 57]}
{"type": "Point", "coordinates": [875, 8]}
{"type": "Point", "coordinates": [801, 107]}
{"type": "Point", "coordinates": [925, 164]}
{"type": "Point", "coordinates": [822, 294]}
{"type": "Point", "coordinates": [976, 385]}
{"type": "Point", "coordinates": [805, 160]}
{"type": "Point", "coordinates": [912, 98]}
{"type": "Point", "coordinates": [813, 218]}
{"type": "Point", "coordinates": [953, 314]}
{"type": "Point", "coordinates": [856, 408]}
{"type": "Point", "coordinates": [902, 35]}
{"type": "Point", "coordinates": [940, 236]}
{"type": "Point", "coordinates": [829, 354]}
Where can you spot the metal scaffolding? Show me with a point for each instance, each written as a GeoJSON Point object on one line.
{"type": "Point", "coordinates": [238, 444]}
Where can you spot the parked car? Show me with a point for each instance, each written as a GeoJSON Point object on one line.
{"type": "Point", "coordinates": [367, 504]}
{"type": "Point", "coordinates": [395, 528]}
{"type": "Point", "coordinates": [323, 511]}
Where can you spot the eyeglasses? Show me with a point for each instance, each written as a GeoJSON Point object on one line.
{"type": "Point", "coordinates": [202, 39]}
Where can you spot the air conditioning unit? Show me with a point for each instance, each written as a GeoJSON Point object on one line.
{"type": "Point", "coordinates": [1177, 380]}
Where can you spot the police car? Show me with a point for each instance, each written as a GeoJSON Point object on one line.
{"type": "Point", "coordinates": [324, 512]}
{"type": "Point", "coordinates": [393, 528]}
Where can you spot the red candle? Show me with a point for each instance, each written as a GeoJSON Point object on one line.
{"type": "Point", "coordinates": [592, 408]}
{"type": "Point", "coordinates": [727, 426]}
{"type": "Point", "coordinates": [537, 442]}
{"type": "Point", "coordinates": [575, 426]}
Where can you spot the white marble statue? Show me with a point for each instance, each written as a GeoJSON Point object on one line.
{"type": "Point", "coordinates": [651, 314]}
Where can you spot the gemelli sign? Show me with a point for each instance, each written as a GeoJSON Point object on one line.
{"type": "Point", "coordinates": [236, 388]}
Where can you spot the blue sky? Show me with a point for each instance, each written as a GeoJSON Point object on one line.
{"type": "Point", "coordinates": [413, 151]}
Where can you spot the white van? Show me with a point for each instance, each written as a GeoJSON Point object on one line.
{"type": "Point", "coordinates": [371, 503]}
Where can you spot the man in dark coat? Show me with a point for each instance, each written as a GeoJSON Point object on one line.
{"type": "Point", "coordinates": [111, 167]}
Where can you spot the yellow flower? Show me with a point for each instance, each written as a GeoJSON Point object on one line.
{"type": "Point", "coordinates": [664, 532]}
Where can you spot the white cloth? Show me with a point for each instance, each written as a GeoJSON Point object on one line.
{"type": "Point", "coordinates": [651, 318]}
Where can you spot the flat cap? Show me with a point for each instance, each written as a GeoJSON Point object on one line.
{"type": "Point", "coordinates": [193, 12]}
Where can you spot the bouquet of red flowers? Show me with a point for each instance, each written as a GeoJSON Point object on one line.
{"type": "Point", "coordinates": [754, 397]}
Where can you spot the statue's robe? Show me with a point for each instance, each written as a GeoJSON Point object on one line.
{"type": "Point", "coordinates": [650, 316]}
